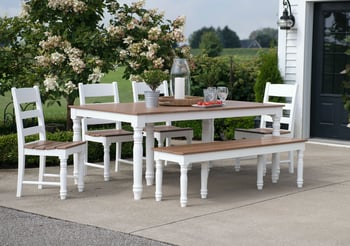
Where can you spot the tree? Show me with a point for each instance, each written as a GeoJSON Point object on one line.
{"type": "Point", "coordinates": [268, 72]}
{"type": "Point", "coordinates": [16, 58]}
{"type": "Point", "coordinates": [229, 38]}
{"type": "Point", "coordinates": [58, 44]}
{"type": "Point", "coordinates": [210, 44]}
{"type": "Point", "coordinates": [267, 37]}
{"type": "Point", "coordinates": [195, 37]}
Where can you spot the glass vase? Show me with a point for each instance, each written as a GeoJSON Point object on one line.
{"type": "Point", "coordinates": [180, 84]}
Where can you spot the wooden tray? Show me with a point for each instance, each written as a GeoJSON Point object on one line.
{"type": "Point", "coordinates": [170, 101]}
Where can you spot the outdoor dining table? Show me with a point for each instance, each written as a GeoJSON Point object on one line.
{"type": "Point", "coordinates": [142, 118]}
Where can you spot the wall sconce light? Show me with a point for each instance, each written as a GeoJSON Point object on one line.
{"type": "Point", "coordinates": [287, 19]}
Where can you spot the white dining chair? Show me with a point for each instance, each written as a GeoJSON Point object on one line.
{"type": "Point", "coordinates": [288, 93]}
{"type": "Point", "coordinates": [162, 133]}
{"type": "Point", "coordinates": [42, 147]}
{"type": "Point", "coordinates": [97, 93]}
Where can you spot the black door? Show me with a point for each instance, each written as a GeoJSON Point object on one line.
{"type": "Point", "coordinates": [331, 29]}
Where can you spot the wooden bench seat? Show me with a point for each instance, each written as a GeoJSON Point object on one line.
{"type": "Point", "coordinates": [205, 152]}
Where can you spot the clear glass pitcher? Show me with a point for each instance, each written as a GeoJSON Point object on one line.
{"type": "Point", "coordinates": [180, 84]}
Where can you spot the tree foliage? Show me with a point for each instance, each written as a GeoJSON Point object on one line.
{"type": "Point", "coordinates": [195, 37]}
{"type": "Point", "coordinates": [210, 44]}
{"type": "Point", "coordinates": [267, 37]}
{"type": "Point", "coordinates": [228, 38]}
{"type": "Point", "coordinates": [268, 72]}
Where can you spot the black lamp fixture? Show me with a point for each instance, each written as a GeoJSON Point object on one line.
{"type": "Point", "coordinates": [287, 19]}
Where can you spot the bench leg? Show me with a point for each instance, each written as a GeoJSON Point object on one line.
{"type": "Point", "coordinates": [260, 172]}
{"type": "Point", "coordinates": [183, 185]}
{"type": "Point", "coordinates": [300, 180]}
{"type": "Point", "coordinates": [159, 180]}
{"type": "Point", "coordinates": [204, 179]}
{"type": "Point", "coordinates": [275, 167]}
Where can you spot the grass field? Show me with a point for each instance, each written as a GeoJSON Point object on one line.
{"type": "Point", "coordinates": [56, 111]}
{"type": "Point", "coordinates": [125, 92]}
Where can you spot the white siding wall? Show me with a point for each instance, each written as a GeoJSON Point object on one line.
{"type": "Point", "coordinates": [295, 58]}
{"type": "Point", "coordinates": [288, 56]}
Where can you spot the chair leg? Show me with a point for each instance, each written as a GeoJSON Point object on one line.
{"type": "Point", "coordinates": [291, 161]}
{"type": "Point", "coordinates": [300, 179]}
{"type": "Point", "coordinates": [106, 160]}
{"type": "Point", "coordinates": [21, 166]}
{"type": "Point", "coordinates": [63, 178]}
{"type": "Point", "coordinates": [42, 166]}
{"type": "Point", "coordinates": [80, 167]}
{"type": "Point", "coordinates": [275, 167]}
{"type": "Point", "coordinates": [118, 151]}
{"type": "Point", "coordinates": [260, 172]}
{"type": "Point", "coordinates": [161, 144]}
{"type": "Point", "coordinates": [189, 141]}
{"type": "Point", "coordinates": [85, 159]}
{"type": "Point", "coordinates": [76, 167]}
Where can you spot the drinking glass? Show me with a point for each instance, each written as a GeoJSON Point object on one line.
{"type": "Point", "coordinates": [209, 94]}
{"type": "Point", "coordinates": [222, 93]}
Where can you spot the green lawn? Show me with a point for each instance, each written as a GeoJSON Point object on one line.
{"type": "Point", "coordinates": [240, 53]}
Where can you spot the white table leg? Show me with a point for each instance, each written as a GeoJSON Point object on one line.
{"type": "Point", "coordinates": [149, 154]}
{"type": "Point", "coordinates": [208, 130]}
{"type": "Point", "coordinates": [137, 167]}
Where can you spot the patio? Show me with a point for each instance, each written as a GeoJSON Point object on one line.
{"type": "Point", "coordinates": [235, 213]}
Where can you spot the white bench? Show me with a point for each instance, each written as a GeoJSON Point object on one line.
{"type": "Point", "coordinates": [205, 152]}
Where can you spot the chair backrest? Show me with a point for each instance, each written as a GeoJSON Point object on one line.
{"type": "Point", "coordinates": [28, 106]}
{"type": "Point", "coordinates": [286, 92]}
{"type": "Point", "coordinates": [139, 88]}
{"type": "Point", "coordinates": [98, 93]}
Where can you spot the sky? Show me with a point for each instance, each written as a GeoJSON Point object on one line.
{"type": "Point", "coordinates": [241, 16]}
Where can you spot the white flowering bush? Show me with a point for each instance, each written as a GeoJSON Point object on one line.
{"type": "Point", "coordinates": [146, 40]}
{"type": "Point", "coordinates": [71, 46]}
{"type": "Point", "coordinates": [57, 44]}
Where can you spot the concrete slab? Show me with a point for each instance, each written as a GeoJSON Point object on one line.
{"type": "Point", "coordinates": [235, 213]}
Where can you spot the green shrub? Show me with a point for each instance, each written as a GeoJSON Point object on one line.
{"type": "Point", "coordinates": [268, 72]}
{"type": "Point", "coordinates": [9, 150]}
{"type": "Point", "coordinates": [216, 71]}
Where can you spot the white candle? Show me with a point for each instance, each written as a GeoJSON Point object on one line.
{"type": "Point", "coordinates": [179, 88]}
